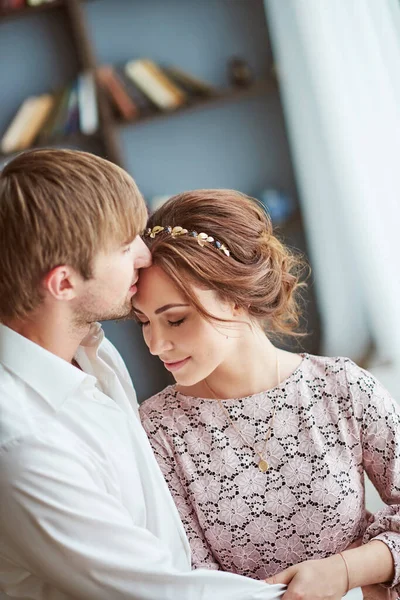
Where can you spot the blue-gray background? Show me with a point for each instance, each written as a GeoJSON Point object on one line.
{"type": "Point", "coordinates": [239, 145]}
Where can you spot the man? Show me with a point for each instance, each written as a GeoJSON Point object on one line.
{"type": "Point", "coordinates": [84, 510]}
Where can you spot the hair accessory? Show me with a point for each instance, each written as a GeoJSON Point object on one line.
{"type": "Point", "coordinates": [202, 238]}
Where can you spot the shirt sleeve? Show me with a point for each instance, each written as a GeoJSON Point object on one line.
{"type": "Point", "coordinates": [202, 556]}
{"type": "Point", "coordinates": [61, 525]}
{"type": "Point", "coordinates": [379, 416]}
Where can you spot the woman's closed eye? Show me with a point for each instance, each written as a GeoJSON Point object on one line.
{"type": "Point", "coordinates": [170, 323]}
{"type": "Point", "coordinates": [176, 323]}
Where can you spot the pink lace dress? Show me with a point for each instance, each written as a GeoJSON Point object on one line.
{"type": "Point", "coordinates": [333, 422]}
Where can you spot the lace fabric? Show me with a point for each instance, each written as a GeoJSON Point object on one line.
{"type": "Point", "coordinates": [333, 422]}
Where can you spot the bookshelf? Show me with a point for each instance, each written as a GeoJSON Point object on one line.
{"type": "Point", "coordinates": [72, 139]}
{"type": "Point", "coordinates": [8, 13]}
{"type": "Point", "coordinates": [109, 123]}
{"type": "Point", "coordinates": [234, 139]}
{"type": "Point", "coordinates": [224, 96]}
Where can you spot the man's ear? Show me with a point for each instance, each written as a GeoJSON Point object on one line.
{"type": "Point", "coordinates": [62, 282]}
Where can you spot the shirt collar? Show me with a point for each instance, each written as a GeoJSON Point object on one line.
{"type": "Point", "coordinates": [49, 375]}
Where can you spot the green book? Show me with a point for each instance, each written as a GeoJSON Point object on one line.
{"type": "Point", "coordinates": [62, 113]}
{"type": "Point", "coordinates": [192, 85]}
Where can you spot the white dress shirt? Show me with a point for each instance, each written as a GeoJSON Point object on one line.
{"type": "Point", "coordinates": [84, 510]}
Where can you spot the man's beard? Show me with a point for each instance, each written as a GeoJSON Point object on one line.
{"type": "Point", "coordinates": [88, 313]}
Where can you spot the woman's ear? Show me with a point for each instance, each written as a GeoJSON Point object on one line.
{"type": "Point", "coordinates": [240, 311]}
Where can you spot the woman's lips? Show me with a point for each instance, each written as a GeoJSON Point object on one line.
{"type": "Point", "coordinates": [174, 366]}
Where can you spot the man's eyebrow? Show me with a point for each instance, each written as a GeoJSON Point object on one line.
{"type": "Point", "coordinates": [161, 309]}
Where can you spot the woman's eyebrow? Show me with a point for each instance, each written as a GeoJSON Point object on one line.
{"type": "Point", "coordinates": [167, 307]}
{"type": "Point", "coordinates": [161, 309]}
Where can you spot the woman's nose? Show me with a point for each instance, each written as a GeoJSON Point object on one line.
{"type": "Point", "coordinates": [158, 343]}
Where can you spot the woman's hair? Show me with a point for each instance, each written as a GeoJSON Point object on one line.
{"type": "Point", "coordinates": [260, 275]}
{"type": "Point", "coordinates": [59, 207]}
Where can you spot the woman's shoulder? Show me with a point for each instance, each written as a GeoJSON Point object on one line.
{"type": "Point", "coordinates": [156, 403]}
{"type": "Point", "coordinates": [342, 374]}
{"type": "Point", "coordinates": [330, 366]}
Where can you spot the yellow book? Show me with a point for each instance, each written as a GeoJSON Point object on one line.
{"type": "Point", "coordinates": [180, 95]}
{"type": "Point", "coordinates": [41, 110]}
{"type": "Point", "coordinates": [11, 138]}
{"type": "Point", "coordinates": [146, 75]}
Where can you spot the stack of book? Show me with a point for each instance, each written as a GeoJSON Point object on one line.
{"type": "Point", "coordinates": [137, 89]}
{"type": "Point", "coordinates": [11, 5]}
{"type": "Point", "coordinates": [141, 87]}
{"type": "Point", "coordinates": [42, 118]}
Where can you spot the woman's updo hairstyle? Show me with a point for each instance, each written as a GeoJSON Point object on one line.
{"type": "Point", "coordinates": [261, 275]}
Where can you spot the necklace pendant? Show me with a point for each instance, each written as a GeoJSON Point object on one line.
{"type": "Point", "coordinates": [263, 466]}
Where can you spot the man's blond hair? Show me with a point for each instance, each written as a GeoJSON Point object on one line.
{"type": "Point", "coordinates": [59, 207]}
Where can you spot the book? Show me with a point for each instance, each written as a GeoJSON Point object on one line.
{"type": "Point", "coordinates": [192, 85]}
{"type": "Point", "coordinates": [155, 84]}
{"type": "Point", "coordinates": [16, 4]}
{"type": "Point", "coordinates": [48, 125]}
{"type": "Point", "coordinates": [123, 102]}
{"type": "Point", "coordinates": [61, 116]}
{"type": "Point", "coordinates": [27, 123]}
{"type": "Point", "coordinates": [71, 124]}
{"type": "Point", "coordinates": [5, 6]}
{"type": "Point", "coordinates": [38, 2]}
{"type": "Point", "coordinates": [87, 99]}
{"type": "Point", "coordinates": [143, 102]}
{"type": "Point", "coordinates": [165, 80]}
{"type": "Point", "coordinates": [40, 110]}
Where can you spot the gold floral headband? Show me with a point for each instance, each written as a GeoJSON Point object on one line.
{"type": "Point", "coordinates": [202, 238]}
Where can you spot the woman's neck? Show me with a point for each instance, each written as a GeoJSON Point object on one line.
{"type": "Point", "coordinates": [250, 369]}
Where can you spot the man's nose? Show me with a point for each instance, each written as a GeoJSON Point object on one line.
{"type": "Point", "coordinates": [144, 259]}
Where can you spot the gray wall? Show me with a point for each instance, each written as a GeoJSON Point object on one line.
{"type": "Point", "coordinates": [240, 145]}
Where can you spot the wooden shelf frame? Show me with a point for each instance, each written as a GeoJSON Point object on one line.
{"type": "Point", "coordinates": [109, 121]}
{"type": "Point", "coordinates": [107, 137]}
{"type": "Point", "coordinates": [263, 86]}
{"type": "Point", "coordinates": [77, 138]}
{"type": "Point", "coordinates": [17, 13]}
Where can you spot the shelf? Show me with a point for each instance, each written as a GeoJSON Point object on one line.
{"type": "Point", "coordinates": [30, 10]}
{"type": "Point", "coordinates": [73, 138]}
{"type": "Point", "coordinates": [224, 96]}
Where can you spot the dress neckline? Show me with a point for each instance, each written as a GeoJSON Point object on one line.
{"type": "Point", "coordinates": [305, 356]}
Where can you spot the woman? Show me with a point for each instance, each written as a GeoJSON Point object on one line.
{"type": "Point", "coordinates": [264, 450]}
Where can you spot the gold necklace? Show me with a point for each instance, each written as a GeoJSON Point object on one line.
{"type": "Point", "coordinates": [263, 464]}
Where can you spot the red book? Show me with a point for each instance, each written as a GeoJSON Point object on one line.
{"type": "Point", "coordinates": [118, 93]}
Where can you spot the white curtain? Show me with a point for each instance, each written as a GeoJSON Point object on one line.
{"type": "Point", "coordinates": [338, 63]}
